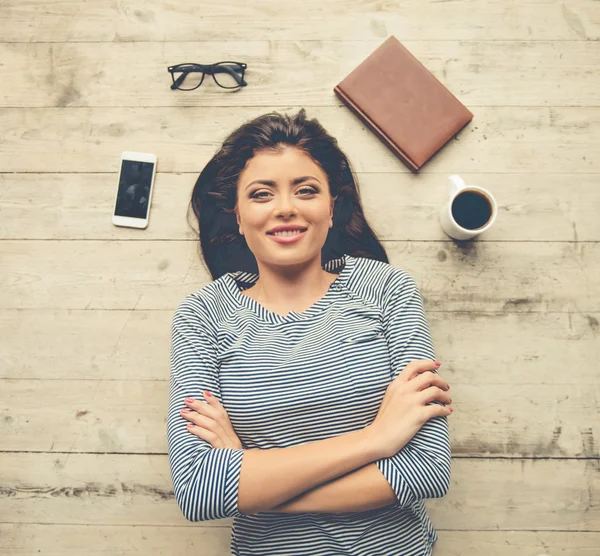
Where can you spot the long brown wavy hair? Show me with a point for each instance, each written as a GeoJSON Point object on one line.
{"type": "Point", "coordinates": [214, 197]}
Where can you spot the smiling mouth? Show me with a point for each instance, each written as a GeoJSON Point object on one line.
{"type": "Point", "coordinates": [287, 232]}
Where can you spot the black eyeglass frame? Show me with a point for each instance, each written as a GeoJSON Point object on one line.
{"type": "Point", "coordinates": [211, 69]}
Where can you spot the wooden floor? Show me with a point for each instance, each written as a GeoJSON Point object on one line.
{"type": "Point", "coordinates": [86, 307]}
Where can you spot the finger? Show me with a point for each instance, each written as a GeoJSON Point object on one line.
{"type": "Point", "coordinates": [414, 368]}
{"type": "Point", "coordinates": [208, 406]}
{"type": "Point", "coordinates": [212, 400]}
{"type": "Point", "coordinates": [214, 403]}
{"type": "Point", "coordinates": [218, 420]}
{"type": "Point", "coordinates": [426, 379]}
{"type": "Point", "coordinates": [205, 408]}
{"type": "Point", "coordinates": [205, 434]}
{"type": "Point", "coordinates": [434, 393]}
{"type": "Point", "coordinates": [221, 419]}
{"type": "Point", "coordinates": [194, 418]}
{"type": "Point", "coordinates": [219, 413]}
{"type": "Point", "coordinates": [207, 423]}
{"type": "Point", "coordinates": [193, 403]}
{"type": "Point", "coordinates": [436, 410]}
{"type": "Point", "coordinates": [429, 378]}
{"type": "Point", "coordinates": [201, 420]}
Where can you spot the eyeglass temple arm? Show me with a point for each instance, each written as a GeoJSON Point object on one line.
{"type": "Point", "coordinates": [179, 80]}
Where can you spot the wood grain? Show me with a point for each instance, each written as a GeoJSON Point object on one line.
{"type": "Point", "coordinates": [531, 207]}
{"type": "Point", "coordinates": [498, 140]}
{"type": "Point", "coordinates": [65, 540]}
{"type": "Point", "coordinates": [452, 276]}
{"type": "Point", "coordinates": [529, 348]}
{"type": "Point", "coordinates": [128, 416]}
{"type": "Point", "coordinates": [479, 73]}
{"type": "Point", "coordinates": [176, 20]}
{"type": "Point", "coordinates": [137, 490]}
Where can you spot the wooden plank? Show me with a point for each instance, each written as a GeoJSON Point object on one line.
{"type": "Point", "coordinates": [498, 140]}
{"type": "Point", "coordinates": [529, 348]}
{"type": "Point", "coordinates": [110, 345]}
{"type": "Point", "coordinates": [78, 206]}
{"type": "Point", "coordinates": [479, 73]}
{"type": "Point", "coordinates": [103, 540]}
{"type": "Point", "coordinates": [452, 276]}
{"type": "Point", "coordinates": [130, 540]}
{"type": "Point", "coordinates": [174, 20]}
{"type": "Point", "coordinates": [128, 416]}
{"type": "Point", "coordinates": [98, 489]}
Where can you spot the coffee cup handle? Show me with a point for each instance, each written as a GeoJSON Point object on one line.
{"type": "Point", "coordinates": [455, 184]}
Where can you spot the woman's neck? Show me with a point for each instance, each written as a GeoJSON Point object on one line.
{"type": "Point", "coordinates": [278, 302]}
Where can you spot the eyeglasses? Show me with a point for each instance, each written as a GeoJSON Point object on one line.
{"type": "Point", "coordinates": [230, 75]}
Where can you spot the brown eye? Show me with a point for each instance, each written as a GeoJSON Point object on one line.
{"type": "Point", "coordinates": [256, 195]}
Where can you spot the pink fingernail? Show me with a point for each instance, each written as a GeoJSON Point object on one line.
{"type": "Point", "coordinates": [207, 393]}
{"type": "Point", "coordinates": [189, 400]}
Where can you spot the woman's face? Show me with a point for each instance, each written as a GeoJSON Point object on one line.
{"type": "Point", "coordinates": [261, 207]}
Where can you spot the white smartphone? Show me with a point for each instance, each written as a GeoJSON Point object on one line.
{"type": "Point", "coordinates": [134, 193]}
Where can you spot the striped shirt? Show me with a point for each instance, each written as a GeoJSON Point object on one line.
{"type": "Point", "coordinates": [299, 378]}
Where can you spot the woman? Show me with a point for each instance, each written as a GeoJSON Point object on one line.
{"type": "Point", "coordinates": [304, 399]}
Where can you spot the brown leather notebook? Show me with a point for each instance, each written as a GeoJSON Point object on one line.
{"type": "Point", "coordinates": [403, 103]}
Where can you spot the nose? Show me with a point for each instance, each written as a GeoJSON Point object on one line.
{"type": "Point", "coordinates": [285, 204]}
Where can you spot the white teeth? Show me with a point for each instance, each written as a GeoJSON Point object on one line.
{"type": "Point", "coordinates": [287, 233]}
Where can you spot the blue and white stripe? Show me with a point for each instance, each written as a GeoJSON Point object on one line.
{"type": "Point", "coordinates": [298, 378]}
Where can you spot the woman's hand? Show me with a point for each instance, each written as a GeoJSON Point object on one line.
{"type": "Point", "coordinates": [403, 411]}
{"type": "Point", "coordinates": [209, 421]}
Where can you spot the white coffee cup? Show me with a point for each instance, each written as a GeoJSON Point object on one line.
{"type": "Point", "coordinates": [475, 212]}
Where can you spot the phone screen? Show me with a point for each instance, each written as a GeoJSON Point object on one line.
{"type": "Point", "coordinates": [134, 189]}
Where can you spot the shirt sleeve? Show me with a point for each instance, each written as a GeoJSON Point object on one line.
{"type": "Point", "coordinates": [421, 469]}
{"type": "Point", "coordinates": [205, 479]}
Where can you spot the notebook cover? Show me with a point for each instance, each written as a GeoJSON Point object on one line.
{"type": "Point", "coordinates": [403, 103]}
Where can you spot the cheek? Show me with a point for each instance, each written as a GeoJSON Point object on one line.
{"type": "Point", "coordinates": [316, 213]}
{"type": "Point", "coordinates": [255, 219]}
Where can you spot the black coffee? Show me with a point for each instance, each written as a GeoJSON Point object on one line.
{"type": "Point", "coordinates": [471, 210]}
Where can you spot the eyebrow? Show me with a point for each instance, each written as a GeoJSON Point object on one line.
{"type": "Point", "coordinates": [273, 184]}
